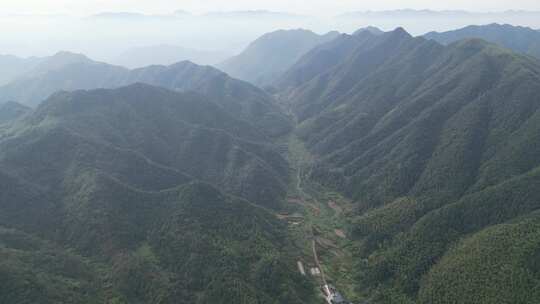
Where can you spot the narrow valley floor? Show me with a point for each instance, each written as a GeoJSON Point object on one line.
{"type": "Point", "coordinates": [318, 221]}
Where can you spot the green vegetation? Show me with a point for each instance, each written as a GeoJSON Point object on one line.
{"type": "Point", "coordinates": [499, 264]}
{"type": "Point", "coordinates": [433, 145]}
{"type": "Point", "coordinates": [118, 196]}
{"type": "Point", "coordinates": [413, 176]}
{"type": "Point", "coordinates": [321, 216]}
{"type": "Point", "coordinates": [35, 271]}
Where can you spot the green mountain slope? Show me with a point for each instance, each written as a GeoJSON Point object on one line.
{"type": "Point", "coordinates": [107, 198]}
{"type": "Point", "coordinates": [151, 194]}
{"type": "Point", "coordinates": [36, 271]}
{"type": "Point", "coordinates": [239, 98]}
{"type": "Point", "coordinates": [323, 58]}
{"type": "Point", "coordinates": [166, 134]}
{"type": "Point", "coordinates": [500, 263]}
{"type": "Point", "coordinates": [434, 144]}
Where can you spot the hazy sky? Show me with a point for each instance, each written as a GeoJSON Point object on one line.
{"type": "Point", "coordinates": [319, 7]}
{"type": "Point", "coordinates": [103, 39]}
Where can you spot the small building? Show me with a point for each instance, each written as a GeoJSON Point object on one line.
{"type": "Point", "coordinates": [333, 296]}
{"type": "Point", "coordinates": [301, 268]}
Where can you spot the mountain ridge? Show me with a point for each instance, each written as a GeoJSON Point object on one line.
{"type": "Point", "coordinates": [518, 38]}
{"type": "Point", "coordinates": [261, 64]}
{"type": "Point", "coordinates": [240, 98]}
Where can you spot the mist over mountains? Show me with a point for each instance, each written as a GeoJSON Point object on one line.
{"type": "Point", "coordinates": [121, 31]}
{"type": "Point", "coordinates": [520, 39]}
{"type": "Point", "coordinates": [67, 71]}
{"type": "Point", "coordinates": [268, 57]}
{"type": "Point", "coordinates": [139, 57]}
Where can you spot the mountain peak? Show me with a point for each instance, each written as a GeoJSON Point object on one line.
{"type": "Point", "coordinates": [401, 32]}
{"type": "Point", "coordinates": [185, 63]}
{"type": "Point", "coordinates": [369, 29]}
{"type": "Point", "coordinates": [330, 36]}
{"type": "Point", "coordinates": [69, 55]}
{"type": "Point", "coordinates": [61, 59]}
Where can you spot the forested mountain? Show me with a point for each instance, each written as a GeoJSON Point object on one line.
{"type": "Point", "coordinates": [324, 57]}
{"type": "Point", "coordinates": [169, 134]}
{"type": "Point", "coordinates": [438, 147]}
{"type": "Point", "coordinates": [240, 98]}
{"type": "Point", "coordinates": [123, 196]}
{"type": "Point", "coordinates": [266, 58]}
{"type": "Point", "coordinates": [520, 39]}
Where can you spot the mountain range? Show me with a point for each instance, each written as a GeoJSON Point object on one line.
{"type": "Point", "coordinates": [169, 184]}
{"type": "Point", "coordinates": [520, 39]}
{"type": "Point", "coordinates": [66, 71]}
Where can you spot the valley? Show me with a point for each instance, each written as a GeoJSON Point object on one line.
{"type": "Point", "coordinates": [382, 172]}
{"type": "Point", "coordinates": [318, 220]}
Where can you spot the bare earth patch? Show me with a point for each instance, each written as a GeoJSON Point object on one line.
{"type": "Point", "coordinates": [340, 233]}
{"type": "Point", "coordinates": [337, 209]}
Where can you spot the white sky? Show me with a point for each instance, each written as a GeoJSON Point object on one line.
{"type": "Point", "coordinates": [316, 7]}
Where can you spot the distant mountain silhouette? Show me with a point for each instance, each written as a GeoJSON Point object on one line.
{"type": "Point", "coordinates": [371, 29]}
{"type": "Point", "coordinates": [166, 55]}
{"type": "Point", "coordinates": [520, 39]}
{"type": "Point", "coordinates": [268, 57]}
{"type": "Point", "coordinates": [13, 67]}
